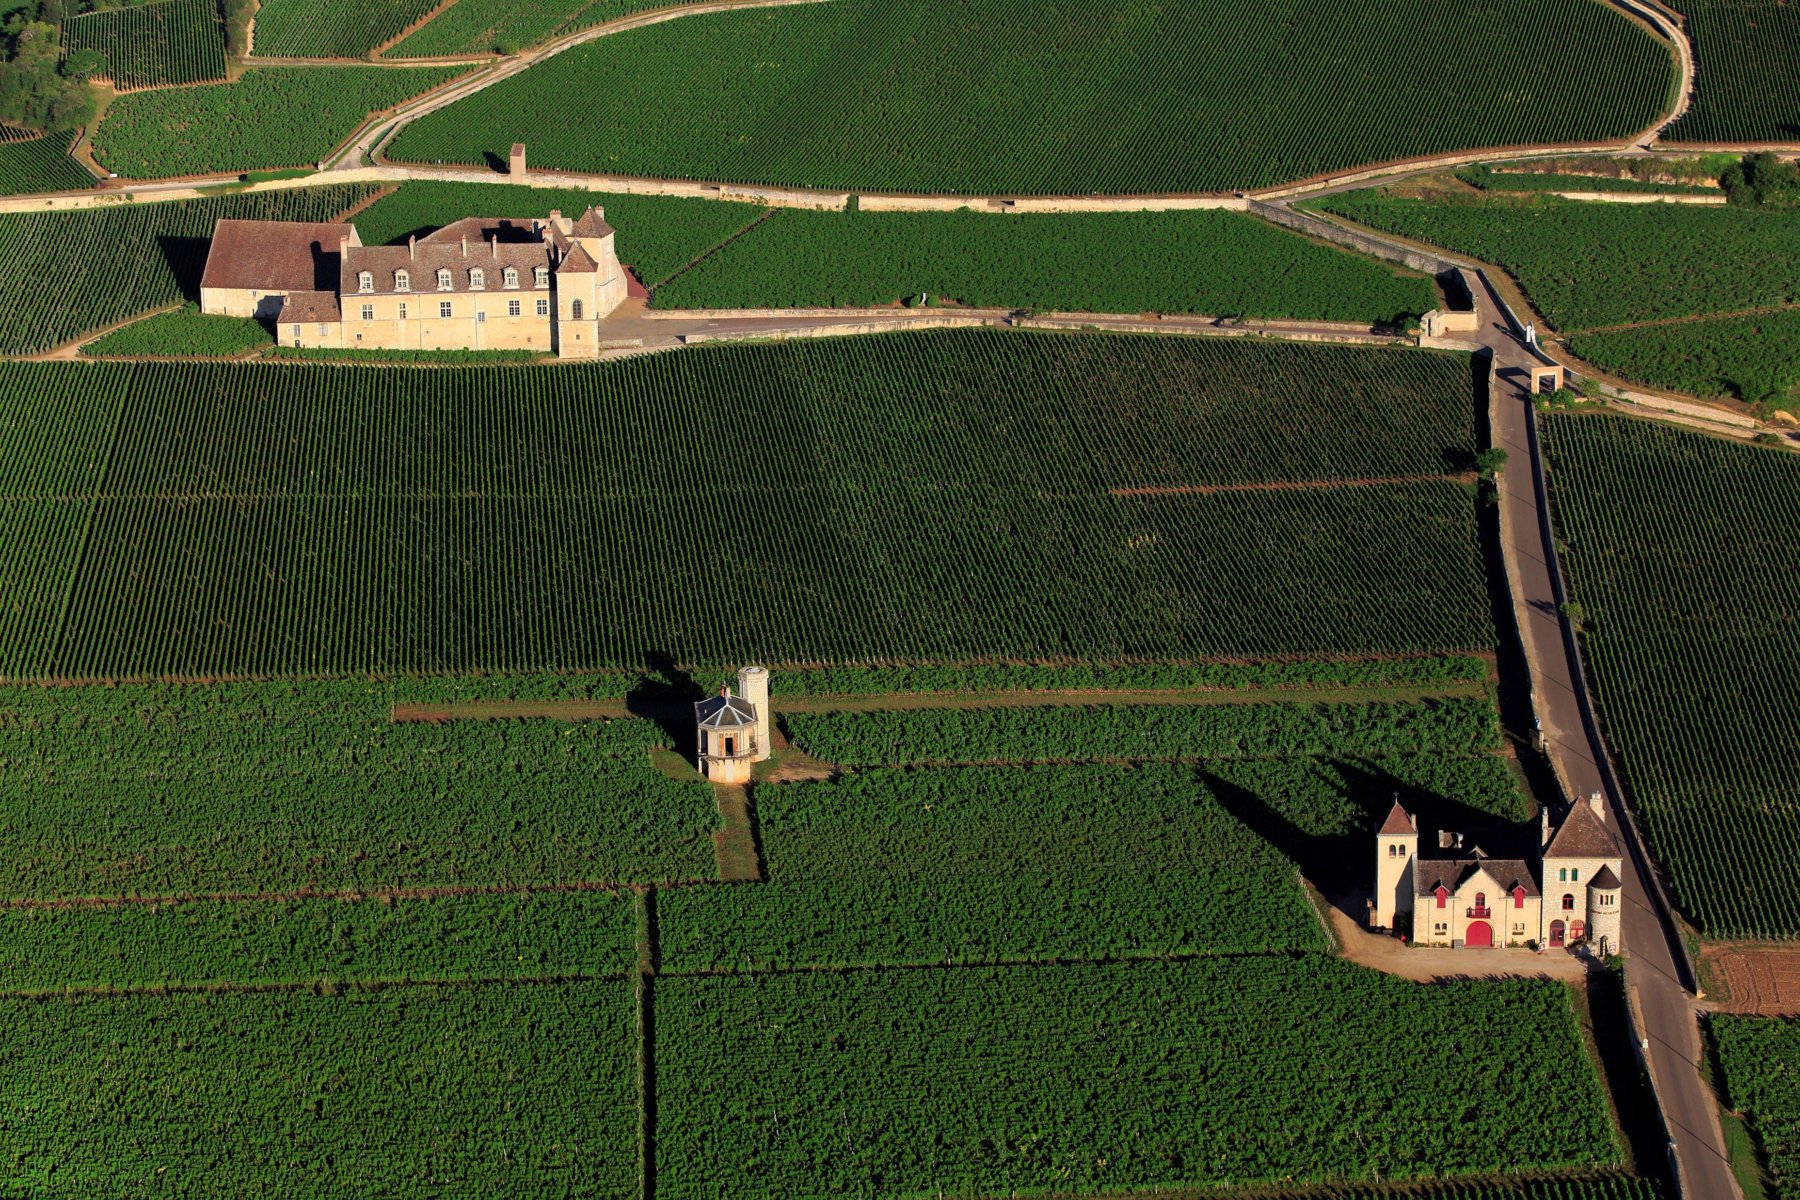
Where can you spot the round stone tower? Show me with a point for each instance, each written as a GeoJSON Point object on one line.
{"type": "Point", "coordinates": [753, 686]}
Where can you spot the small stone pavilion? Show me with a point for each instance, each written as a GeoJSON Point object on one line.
{"type": "Point", "coordinates": [731, 733]}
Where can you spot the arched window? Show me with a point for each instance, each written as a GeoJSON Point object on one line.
{"type": "Point", "coordinates": [402, 281]}
{"type": "Point", "coordinates": [1568, 902]}
{"type": "Point", "coordinates": [512, 277]}
{"type": "Point", "coordinates": [365, 281]}
{"type": "Point", "coordinates": [1574, 874]}
{"type": "Point", "coordinates": [1563, 875]}
{"type": "Point", "coordinates": [444, 279]}
{"type": "Point", "coordinates": [575, 310]}
{"type": "Point", "coordinates": [1480, 899]}
{"type": "Point", "coordinates": [1518, 897]}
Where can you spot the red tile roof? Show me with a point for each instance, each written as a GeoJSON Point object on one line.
{"type": "Point", "coordinates": [275, 256]}
{"type": "Point", "coordinates": [306, 307]}
{"type": "Point", "coordinates": [1398, 823]}
{"type": "Point", "coordinates": [1583, 834]}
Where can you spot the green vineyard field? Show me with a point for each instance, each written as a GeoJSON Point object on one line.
{"type": "Point", "coordinates": [331, 28]}
{"type": "Point", "coordinates": [1745, 90]}
{"type": "Point", "coordinates": [250, 789]}
{"type": "Point", "coordinates": [480, 26]}
{"type": "Point", "coordinates": [1217, 263]}
{"type": "Point", "coordinates": [183, 333]}
{"type": "Point", "coordinates": [269, 117]}
{"type": "Point", "coordinates": [40, 164]}
{"type": "Point", "coordinates": [1760, 1060]}
{"type": "Point", "coordinates": [156, 254]}
{"type": "Point", "coordinates": [152, 45]}
{"type": "Point", "coordinates": [1105, 1078]}
{"type": "Point", "coordinates": [316, 521]}
{"type": "Point", "coordinates": [460, 1091]}
{"type": "Point", "coordinates": [1754, 358]}
{"type": "Point", "coordinates": [899, 867]}
{"type": "Point", "coordinates": [1059, 97]}
{"type": "Point", "coordinates": [1684, 551]}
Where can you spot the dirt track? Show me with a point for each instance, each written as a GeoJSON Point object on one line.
{"type": "Point", "coordinates": [1755, 979]}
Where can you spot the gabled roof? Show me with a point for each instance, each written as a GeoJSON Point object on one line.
{"type": "Point", "coordinates": [577, 262]}
{"type": "Point", "coordinates": [1583, 834]}
{"type": "Point", "coordinates": [1605, 880]}
{"type": "Point", "coordinates": [302, 307]}
{"type": "Point", "coordinates": [1398, 823]}
{"type": "Point", "coordinates": [422, 261]}
{"type": "Point", "coordinates": [275, 256]}
{"type": "Point", "coordinates": [591, 223]}
{"type": "Point", "coordinates": [1454, 873]}
{"type": "Point", "coordinates": [725, 711]}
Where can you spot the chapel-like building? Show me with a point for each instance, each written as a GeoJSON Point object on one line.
{"type": "Point", "coordinates": [731, 733]}
{"type": "Point", "coordinates": [483, 283]}
{"type": "Point", "coordinates": [1564, 889]}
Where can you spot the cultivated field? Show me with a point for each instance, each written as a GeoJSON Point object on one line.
{"type": "Point", "coordinates": [183, 333]}
{"type": "Point", "coordinates": [39, 164]}
{"type": "Point", "coordinates": [331, 28]}
{"type": "Point", "coordinates": [152, 45]}
{"type": "Point", "coordinates": [825, 502]}
{"type": "Point", "coordinates": [1066, 96]}
{"type": "Point", "coordinates": [270, 117]}
{"type": "Point", "coordinates": [1745, 91]}
{"type": "Point", "coordinates": [1682, 552]}
{"type": "Point", "coordinates": [155, 254]}
{"type": "Point", "coordinates": [1760, 1061]}
{"type": "Point", "coordinates": [507, 26]}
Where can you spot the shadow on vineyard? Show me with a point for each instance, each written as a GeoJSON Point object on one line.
{"type": "Point", "coordinates": [666, 695]}
{"type": "Point", "coordinates": [186, 260]}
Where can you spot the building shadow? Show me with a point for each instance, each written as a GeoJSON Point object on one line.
{"type": "Point", "coordinates": [186, 259]}
{"type": "Point", "coordinates": [666, 694]}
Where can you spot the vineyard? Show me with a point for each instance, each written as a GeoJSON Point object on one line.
{"type": "Point", "coordinates": [259, 788]}
{"type": "Point", "coordinates": [39, 164]}
{"type": "Point", "coordinates": [1682, 552]}
{"type": "Point", "coordinates": [1760, 1060]}
{"type": "Point", "coordinates": [508, 26]}
{"type": "Point", "coordinates": [256, 522]}
{"type": "Point", "coordinates": [331, 28]}
{"type": "Point", "coordinates": [152, 45]}
{"type": "Point", "coordinates": [1218, 263]}
{"type": "Point", "coordinates": [270, 117]}
{"type": "Point", "coordinates": [1744, 90]}
{"type": "Point", "coordinates": [155, 254]}
{"type": "Point", "coordinates": [1066, 96]}
{"type": "Point", "coordinates": [183, 333]}
{"type": "Point", "coordinates": [658, 235]}
{"type": "Point", "coordinates": [1106, 1077]}
{"type": "Point", "coordinates": [1754, 359]}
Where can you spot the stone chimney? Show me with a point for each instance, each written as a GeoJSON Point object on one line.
{"type": "Point", "coordinates": [465, 245]}
{"type": "Point", "coordinates": [494, 245]}
{"type": "Point", "coordinates": [1597, 802]}
{"type": "Point", "coordinates": [412, 246]}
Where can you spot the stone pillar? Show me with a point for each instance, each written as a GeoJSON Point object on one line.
{"type": "Point", "coordinates": [753, 685]}
{"type": "Point", "coordinates": [515, 165]}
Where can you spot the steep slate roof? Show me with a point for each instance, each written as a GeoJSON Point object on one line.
{"type": "Point", "coordinates": [309, 306]}
{"type": "Point", "coordinates": [1606, 881]}
{"type": "Point", "coordinates": [1583, 835]}
{"type": "Point", "coordinates": [1398, 823]}
{"type": "Point", "coordinates": [275, 256]}
{"type": "Point", "coordinates": [725, 712]}
{"type": "Point", "coordinates": [422, 261]}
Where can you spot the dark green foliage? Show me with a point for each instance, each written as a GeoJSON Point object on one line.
{"type": "Point", "coordinates": [40, 164]}
{"type": "Point", "coordinates": [442, 1092]}
{"type": "Point", "coordinates": [1754, 359]}
{"type": "Point", "coordinates": [151, 45]}
{"type": "Point", "coordinates": [1684, 551]}
{"type": "Point", "coordinates": [184, 333]}
{"type": "Point", "coordinates": [1602, 1187]}
{"type": "Point", "coordinates": [331, 28]}
{"type": "Point", "coordinates": [1745, 90]}
{"type": "Point", "coordinates": [993, 864]}
{"type": "Point", "coordinates": [508, 26]}
{"type": "Point", "coordinates": [265, 788]}
{"type": "Point", "coordinates": [1218, 263]}
{"type": "Point", "coordinates": [1760, 1057]}
{"type": "Point", "coordinates": [154, 256]}
{"type": "Point", "coordinates": [1765, 179]}
{"type": "Point", "coordinates": [210, 942]}
{"type": "Point", "coordinates": [1102, 1078]}
{"type": "Point", "coordinates": [269, 117]}
{"type": "Point", "coordinates": [657, 235]}
{"type": "Point", "coordinates": [931, 497]}
{"type": "Point", "coordinates": [1061, 96]}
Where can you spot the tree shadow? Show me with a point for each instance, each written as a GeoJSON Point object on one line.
{"type": "Point", "coordinates": [666, 695]}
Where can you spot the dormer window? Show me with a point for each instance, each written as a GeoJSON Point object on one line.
{"type": "Point", "coordinates": [444, 282]}
{"type": "Point", "coordinates": [402, 281]}
{"type": "Point", "coordinates": [541, 277]}
{"type": "Point", "coordinates": [477, 278]}
{"type": "Point", "coordinates": [365, 281]}
{"type": "Point", "coordinates": [512, 277]}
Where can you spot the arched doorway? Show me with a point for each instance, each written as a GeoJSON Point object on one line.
{"type": "Point", "coordinates": [1577, 931]}
{"type": "Point", "coordinates": [1556, 933]}
{"type": "Point", "coordinates": [1480, 934]}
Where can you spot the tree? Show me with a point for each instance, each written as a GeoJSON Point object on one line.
{"type": "Point", "coordinates": [1490, 461]}
{"type": "Point", "coordinates": [1764, 180]}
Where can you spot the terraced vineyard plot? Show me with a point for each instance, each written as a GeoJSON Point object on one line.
{"type": "Point", "coordinates": [411, 1092]}
{"type": "Point", "coordinates": [1103, 1078]}
{"type": "Point", "coordinates": [331, 28]}
{"type": "Point", "coordinates": [990, 865]}
{"type": "Point", "coordinates": [1682, 551]}
{"type": "Point", "coordinates": [269, 788]}
{"type": "Point", "coordinates": [508, 26]}
{"type": "Point", "coordinates": [1066, 96]}
{"type": "Point", "coordinates": [1218, 263]}
{"type": "Point", "coordinates": [269, 117]}
{"type": "Point", "coordinates": [324, 521]}
{"type": "Point", "coordinates": [1745, 90]}
{"type": "Point", "coordinates": [152, 45]}
{"type": "Point", "coordinates": [1761, 1061]}
{"type": "Point", "coordinates": [39, 164]}
{"type": "Point", "coordinates": [515, 936]}
{"type": "Point", "coordinates": [658, 235]}
{"type": "Point", "coordinates": [155, 252]}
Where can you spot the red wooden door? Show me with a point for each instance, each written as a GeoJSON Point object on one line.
{"type": "Point", "coordinates": [1480, 934]}
{"type": "Point", "coordinates": [1556, 933]}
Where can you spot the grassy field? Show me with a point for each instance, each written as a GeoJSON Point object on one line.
{"type": "Point", "coordinates": [183, 333]}
{"type": "Point", "coordinates": [1619, 279]}
{"type": "Point", "coordinates": [1760, 1061]}
{"type": "Point", "coordinates": [157, 253]}
{"type": "Point", "coordinates": [1682, 552]}
{"type": "Point", "coordinates": [1217, 263]}
{"type": "Point", "coordinates": [1744, 91]}
{"type": "Point", "coordinates": [253, 522]}
{"type": "Point", "coordinates": [270, 117]}
{"type": "Point", "coordinates": [1067, 96]}
{"type": "Point", "coordinates": [507, 26]}
{"type": "Point", "coordinates": [331, 28]}
{"type": "Point", "coordinates": [39, 164]}
{"type": "Point", "coordinates": [152, 45]}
